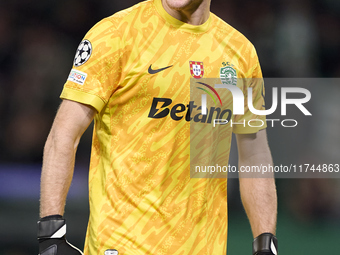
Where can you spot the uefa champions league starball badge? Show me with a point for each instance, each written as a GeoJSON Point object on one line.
{"type": "Point", "coordinates": [83, 54]}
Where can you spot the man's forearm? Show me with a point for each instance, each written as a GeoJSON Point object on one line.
{"type": "Point", "coordinates": [260, 202]}
{"type": "Point", "coordinates": [57, 173]}
{"type": "Point", "coordinates": [59, 154]}
{"type": "Point", "coordinates": [258, 191]}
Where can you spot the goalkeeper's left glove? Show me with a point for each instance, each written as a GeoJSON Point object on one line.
{"type": "Point", "coordinates": [51, 236]}
{"type": "Point", "coordinates": [265, 244]}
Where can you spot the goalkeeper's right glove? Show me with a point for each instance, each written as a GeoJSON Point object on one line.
{"type": "Point", "coordinates": [265, 244]}
{"type": "Point", "coordinates": [51, 237]}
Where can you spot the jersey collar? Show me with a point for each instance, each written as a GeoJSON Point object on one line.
{"type": "Point", "coordinates": [179, 24]}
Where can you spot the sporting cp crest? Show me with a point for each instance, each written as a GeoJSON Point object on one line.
{"type": "Point", "coordinates": [228, 75]}
{"type": "Point", "coordinates": [196, 69]}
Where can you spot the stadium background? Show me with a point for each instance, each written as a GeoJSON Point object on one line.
{"type": "Point", "coordinates": [293, 39]}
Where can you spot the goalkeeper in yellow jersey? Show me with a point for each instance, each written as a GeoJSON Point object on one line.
{"type": "Point", "coordinates": [131, 75]}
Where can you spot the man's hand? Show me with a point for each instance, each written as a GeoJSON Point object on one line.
{"type": "Point", "coordinates": [265, 244]}
{"type": "Point", "coordinates": [51, 236]}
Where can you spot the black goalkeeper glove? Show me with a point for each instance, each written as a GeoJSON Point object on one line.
{"type": "Point", "coordinates": [265, 244]}
{"type": "Point", "coordinates": [51, 237]}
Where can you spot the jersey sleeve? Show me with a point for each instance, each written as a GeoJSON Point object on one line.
{"type": "Point", "coordinates": [250, 122]}
{"type": "Point", "coordinates": [96, 70]}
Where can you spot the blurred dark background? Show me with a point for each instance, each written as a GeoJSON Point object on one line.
{"type": "Point", "coordinates": [293, 38]}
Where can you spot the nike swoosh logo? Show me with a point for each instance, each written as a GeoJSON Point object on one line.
{"type": "Point", "coordinates": [153, 71]}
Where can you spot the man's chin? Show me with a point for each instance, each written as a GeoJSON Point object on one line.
{"type": "Point", "coordinates": [179, 4]}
